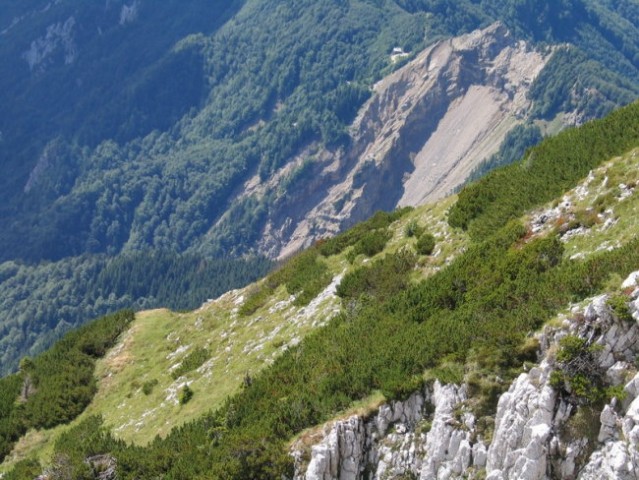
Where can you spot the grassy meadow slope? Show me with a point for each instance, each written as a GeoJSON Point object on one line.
{"type": "Point", "coordinates": [137, 388]}
{"type": "Point", "coordinates": [366, 316]}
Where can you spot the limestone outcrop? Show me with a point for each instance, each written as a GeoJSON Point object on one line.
{"type": "Point", "coordinates": [542, 431]}
{"type": "Point", "coordinates": [420, 437]}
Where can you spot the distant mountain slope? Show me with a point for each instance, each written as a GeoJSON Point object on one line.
{"type": "Point", "coordinates": [202, 128]}
{"type": "Point", "coordinates": [92, 71]}
{"type": "Point", "coordinates": [185, 120]}
{"type": "Point", "coordinates": [427, 126]}
{"type": "Point", "coordinates": [500, 345]}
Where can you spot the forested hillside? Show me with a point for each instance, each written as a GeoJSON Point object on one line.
{"type": "Point", "coordinates": [132, 129]}
{"type": "Point", "coordinates": [415, 307]}
{"type": "Point", "coordinates": [42, 302]}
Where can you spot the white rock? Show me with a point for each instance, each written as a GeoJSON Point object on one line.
{"type": "Point", "coordinates": [444, 439]}
{"type": "Point", "coordinates": [573, 450]}
{"type": "Point", "coordinates": [529, 439]}
{"type": "Point", "coordinates": [480, 455]}
{"type": "Point", "coordinates": [616, 374]}
{"type": "Point", "coordinates": [608, 430]}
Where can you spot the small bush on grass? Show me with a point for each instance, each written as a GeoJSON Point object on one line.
{"type": "Point", "coordinates": [185, 395]}
{"type": "Point", "coordinates": [425, 244]}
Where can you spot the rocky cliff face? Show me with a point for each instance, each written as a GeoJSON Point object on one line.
{"type": "Point", "coordinates": [542, 430]}
{"type": "Point", "coordinates": [419, 436]}
{"type": "Point", "coordinates": [420, 135]}
{"type": "Point", "coordinates": [61, 41]}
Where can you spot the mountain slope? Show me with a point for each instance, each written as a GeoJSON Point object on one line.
{"type": "Point", "coordinates": [459, 311]}
{"type": "Point", "coordinates": [556, 420]}
{"type": "Point", "coordinates": [133, 127]}
{"type": "Point", "coordinates": [425, 128]}
{"type": "Point", "coordinates": [237, 341]}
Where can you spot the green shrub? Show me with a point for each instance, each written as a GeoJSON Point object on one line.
{"type": "Point", "coordinates": [400, 388]}
{"type": "Point", "coordinates": [449, 372]}
{"type": "Point", "coordinates": [582, 218]}
{"type": "Point", "coordinates": [256, 299]}
{"type": "Point", "coordinates": [617, 392]}
{"type": "Point", "coordinates": [75, 445]}
{"type": "Point", "coordinates": [147, 387]}
{"type": "Point", "coordinates": [372, 242]}
{"type": "Point", "coordinates": [425, 244]}
{"type": "Point", "coordinates": [305, 276]}
{"type": "Point", "coordinates": [586, 218]}
{"type": "Point", "coordinates": [25, 469]}
{"type": "Point", "coordinates": [193, 360]}
{"type": "Point", "coordinates": [572, 348]}
{"type": "Point", "coordinates": [556, 379]}
{"type": "Point", "coordinates": [386, 276]}
{"type": "Point", "coordinates": [413, 229]}
{"type": "Point", "coordinates": [579, 373]}
{"type": "Point", "coordinates": [185, 395]}
{"type": "Point", "coordinates": [619, 305]}
{"type": "Point", "coordinates": [379, 221]}
{"type": "Point", "coordinates": [604, 201]}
